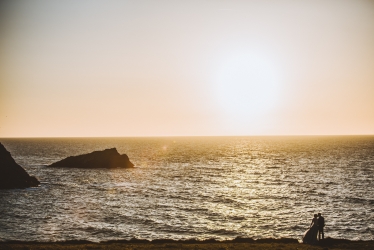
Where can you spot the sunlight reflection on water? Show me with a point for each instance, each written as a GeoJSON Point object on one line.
{"type": "Point", "coordinates": [198, 187]}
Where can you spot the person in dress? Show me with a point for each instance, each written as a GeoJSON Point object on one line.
{"type": "Point", "coordinates": [310, 236]}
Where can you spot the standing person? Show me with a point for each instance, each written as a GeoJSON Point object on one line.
{"type": "Point", "coordinates": [321, 225]}
{"type": "Point", "coordinates": [310, 236]}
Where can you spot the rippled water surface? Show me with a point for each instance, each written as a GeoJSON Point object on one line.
{"type": "Point", "coordinates": [193, 187]}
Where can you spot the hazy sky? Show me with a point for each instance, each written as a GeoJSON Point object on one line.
{"type": "Point", "coordinates": [160, 68]}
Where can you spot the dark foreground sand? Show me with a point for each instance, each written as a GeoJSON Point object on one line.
{"type": "Point", "coordinates": [237, 244]}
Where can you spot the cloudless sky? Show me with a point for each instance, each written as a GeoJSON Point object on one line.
{"type": "Point", "coordinates": [164, 68]}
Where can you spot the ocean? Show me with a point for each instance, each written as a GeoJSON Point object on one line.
{"type": "Point", "coordinates": [193, 187]}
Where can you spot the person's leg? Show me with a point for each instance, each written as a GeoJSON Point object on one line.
{"type": "Point", "coordinates": [319, 234]}
{"type": "Point", "coordinates": [320, 231]}
{"type": "Point", "coordinates": [323, 235]}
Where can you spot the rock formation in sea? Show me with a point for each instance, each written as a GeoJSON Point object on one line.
{"type": "Point", "coordinates": [13, 175]}
{"type": "Point", "coordinates": [108, 158]}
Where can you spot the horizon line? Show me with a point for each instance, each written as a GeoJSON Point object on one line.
{"type": "Point", "coordinates": [165, 136]}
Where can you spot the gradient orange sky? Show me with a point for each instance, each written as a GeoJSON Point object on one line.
{"type": "Point", "coordinates": [164, 68]}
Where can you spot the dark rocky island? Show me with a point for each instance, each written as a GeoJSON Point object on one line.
{"type": "Point", "coordinates": [108, 158]}
{"type": "Point", "coordinates": [13, 175]}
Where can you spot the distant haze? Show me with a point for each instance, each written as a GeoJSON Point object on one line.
{"type": "Point", "coordinates": [164, 68]}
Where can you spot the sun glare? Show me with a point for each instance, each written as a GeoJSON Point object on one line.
{"type": "Point", "coordinates": [246, 85]}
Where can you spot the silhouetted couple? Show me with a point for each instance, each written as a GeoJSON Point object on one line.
{"type": "Point", "coordinates": [316, 228]}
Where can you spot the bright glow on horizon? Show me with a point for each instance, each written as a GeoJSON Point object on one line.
{"type": "Point", "coordinates": [165, 68]}
{"type": "Point", "coordinates": [247, 88]}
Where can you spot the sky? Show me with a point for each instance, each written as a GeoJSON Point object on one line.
{"type": "Point", "coordinates": [186, 68]}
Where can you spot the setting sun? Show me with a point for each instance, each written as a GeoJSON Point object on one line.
{"type": "Point", "coordinates": [247, 87]}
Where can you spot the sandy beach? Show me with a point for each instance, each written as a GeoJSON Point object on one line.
{"type": "Point", "coordinates": [236, 244]}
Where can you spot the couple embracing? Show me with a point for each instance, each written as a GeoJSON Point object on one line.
{"type": "Point", "coordinates": [316, 227]}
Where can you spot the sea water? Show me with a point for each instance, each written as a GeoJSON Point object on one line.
{"type": "Point", "coordinates": [193, 187]}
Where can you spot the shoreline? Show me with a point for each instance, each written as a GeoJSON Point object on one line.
{"type": "Point", "coordinates": [237, 243]}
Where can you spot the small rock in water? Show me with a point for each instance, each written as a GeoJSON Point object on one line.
{"type": "Point", "coordinates": [108, 158]}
